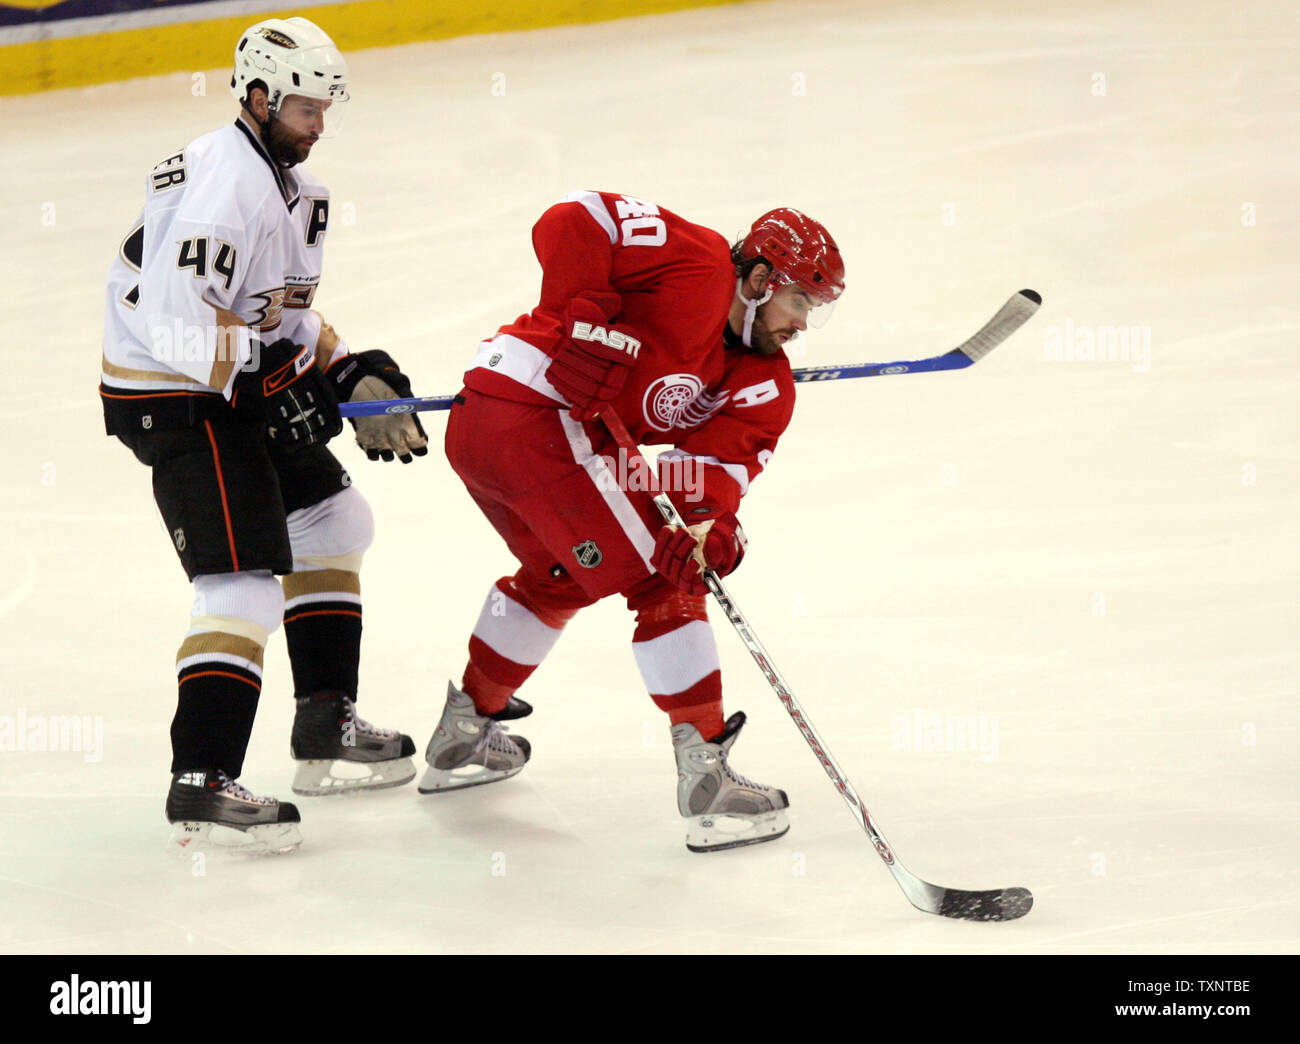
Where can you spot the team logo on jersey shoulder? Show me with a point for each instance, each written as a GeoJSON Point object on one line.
{"type": "Point", "coordinates": [588, 554]}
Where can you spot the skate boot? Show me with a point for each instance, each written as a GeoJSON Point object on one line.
{"type": "Point", "coordinates": [209, 811]}
{"type": "Point", "coordinates": [339, 751]}
{"type": "Point", "coordinates": [468, 749]}
{"type": "Point", "coordinates": [722, 808]}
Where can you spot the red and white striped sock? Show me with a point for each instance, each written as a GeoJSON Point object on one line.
{"type": "Point", "coordinates": [678, 659]}
{"type": "Point", "coordinates": [519, 624]}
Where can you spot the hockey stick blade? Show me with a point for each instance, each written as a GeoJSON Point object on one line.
{"type": "Point", "coordinates": [996, 904]}
{"type": "Point", "coordinates": [1011, 316]}
{"type": "Point", "coordinates": [1002, 904]}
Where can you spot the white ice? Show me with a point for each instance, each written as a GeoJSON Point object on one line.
{"type": "Point", "coordinates": [1095, 560]}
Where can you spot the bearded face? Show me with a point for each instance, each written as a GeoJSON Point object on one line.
{"type": "Point", "coordinates": [293, 129]}
{"type": "Point", "coordinates": [781, 319]}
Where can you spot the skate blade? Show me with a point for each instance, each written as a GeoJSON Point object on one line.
{"type": "Point", "coordinates": [318, 778]}
{"type": "Point", "coordinates": [435, 780]}
{"type": "Point", "coordinates": [722, 830]}
{"type": "Point", "coordinates": [263, 839]}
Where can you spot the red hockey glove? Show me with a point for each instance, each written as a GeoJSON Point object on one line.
{"type": "Point", "coordinates": [594, 359]}
{"type": "Point", "coordinates": [680, 554]}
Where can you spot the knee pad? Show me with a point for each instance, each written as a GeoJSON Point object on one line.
{"type": "Point", "coordinates": [554, 600]}
{"type": "Point", "coordinates": [656, 601]}
{"type": "Point", "coordinates": [333, 534]}
{"type": "Point", "coordinates": [255, 598]}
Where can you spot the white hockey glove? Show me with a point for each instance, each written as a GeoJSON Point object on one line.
{"type": "Point", "coordinates": [364, 377]}
{"type": "Point", "coordinates": [386, 434]}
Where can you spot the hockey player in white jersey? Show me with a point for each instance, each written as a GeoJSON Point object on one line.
{"type": "Point", "coordinates": [218, 376]}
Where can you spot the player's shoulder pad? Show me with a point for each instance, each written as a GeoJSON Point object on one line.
{"type": "Point", "coordinates": [596, 204]}
{"type": "Point", "coordinates": [309, 184]}
{"type": "Point", "coordinates": [229, 184]}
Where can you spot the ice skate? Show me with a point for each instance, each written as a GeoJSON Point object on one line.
{"type": "Point", "coordinates": [468, 749]}
{"type": "Point", "coordinates": [340, 752]}
{"type": "Point", "coordinates": [722, 808]}
{"type": "Point", "coordinates": [209, 811]}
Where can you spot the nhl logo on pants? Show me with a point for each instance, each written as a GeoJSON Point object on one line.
{"type": "Point", "coordinates": [587, 554]}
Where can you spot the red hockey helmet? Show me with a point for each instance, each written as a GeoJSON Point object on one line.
{"type": "Point", "coordinates": [798, 249]}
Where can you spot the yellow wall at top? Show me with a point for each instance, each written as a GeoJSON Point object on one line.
{"type": "Point", "coordinates": [102, 57]}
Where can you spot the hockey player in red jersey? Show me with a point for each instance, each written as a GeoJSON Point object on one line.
{"type": "Point", "coordinates": [657, 319]}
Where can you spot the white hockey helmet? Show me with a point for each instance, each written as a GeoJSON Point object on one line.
{"type": "Point", "coordinates": [291, 56]}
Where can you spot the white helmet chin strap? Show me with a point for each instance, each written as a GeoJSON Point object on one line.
{"type": "Point", "coordinates": [751, 309]}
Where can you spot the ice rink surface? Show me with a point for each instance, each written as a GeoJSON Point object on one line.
{"type": "Point", "coordinates": [1074, 578]}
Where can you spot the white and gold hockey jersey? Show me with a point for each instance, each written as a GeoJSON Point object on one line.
{"type": "Point", "coordinates": [223, 227]}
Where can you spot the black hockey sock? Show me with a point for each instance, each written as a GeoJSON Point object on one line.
{"type": "Point", "coordinates": [322, 626]}
{"type": "Point", "coordinates": [215, 707]}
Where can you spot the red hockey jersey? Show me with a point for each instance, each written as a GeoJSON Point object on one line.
{"type": "Point", "coordinates": [723, 408]}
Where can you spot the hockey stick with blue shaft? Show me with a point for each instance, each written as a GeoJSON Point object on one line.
{"type": "Point", "coordinates": [999, 904]}
{"type": "Point", "coordinates": [1011, 316]}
